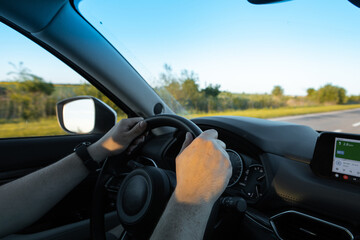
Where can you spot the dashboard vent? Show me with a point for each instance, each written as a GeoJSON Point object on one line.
{"type": "Point", "coordinates": [292, 225]}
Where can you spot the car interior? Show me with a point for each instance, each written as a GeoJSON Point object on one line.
{"type": "Point", "coordinates": [283, 184]}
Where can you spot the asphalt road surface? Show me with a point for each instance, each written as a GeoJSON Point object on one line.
{"type": "Point", "coordinates": [347, 121]}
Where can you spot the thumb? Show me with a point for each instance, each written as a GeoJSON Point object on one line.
{"type": "Point", "coordinates": [188, 139]}
{"type": "Point", "coordinates": [138, 129]}
{"type": "Point", "coordinates": [209, 134]}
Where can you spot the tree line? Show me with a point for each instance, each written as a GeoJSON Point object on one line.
{"type": "Point", "coordinates": [184, 90]}
{"type": "Point", "coordinates": [30, 97]}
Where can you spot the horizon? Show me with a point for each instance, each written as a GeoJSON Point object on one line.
{"type": "Point", "coordinates": [235, 93]}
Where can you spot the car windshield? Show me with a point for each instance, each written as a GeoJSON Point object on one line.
{"type": "Point", "coordinates": [293, 61]}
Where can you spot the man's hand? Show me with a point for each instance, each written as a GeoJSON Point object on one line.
{"type": "Point", "coordinates": [125, 132]}
{"type": "Point", "coordinates": [203, 169]}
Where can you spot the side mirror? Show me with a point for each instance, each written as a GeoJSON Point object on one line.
{"type": "Point", "coordinates": [85, 114]}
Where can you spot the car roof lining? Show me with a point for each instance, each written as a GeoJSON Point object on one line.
{"type": "Point", "coordinates": [32, 21]}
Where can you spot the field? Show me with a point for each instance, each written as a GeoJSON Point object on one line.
{"type": "Point", "coordinates": [278, 112]}
{"type": "Point", "coordinates": [42, 127]}
{"type": "Point", "coordinates": [50, 126]}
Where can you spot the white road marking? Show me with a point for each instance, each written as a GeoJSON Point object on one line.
{"type": "Point", "coordinates": [337, 130]}
{"type": "Point", "coordinates": [356, 124]}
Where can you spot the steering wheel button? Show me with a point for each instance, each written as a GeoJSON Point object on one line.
{"type": "Point", "coordinates": [135, 195]}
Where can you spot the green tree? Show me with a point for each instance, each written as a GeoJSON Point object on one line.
{"type": "Point", "coordinates": [170, 83]}
{"type": "Point", "coordinates": [87, 89]}
{"type": "Point", "coordinates": [310, 92]}
{"type": "Point", "coordinates": [331, 94]}
{"type": "Point", "coordinates": [31, 93]}
{"type": "Point", "coordinates": [211, 94]}
{"type": "Point", "coordinates": [35, 84]}
{"type": "Point", "coordinates": [354, 99]}
{"type": "Point", "coordinates": [190, 93]}
{"type": "Point", "coordinates": [168, 76]}
{"type": "Point", "coordinates": [184, 89]}
{"type": "Point", "coordinates": [211, 90]}
{"type": "Point", "coordinates": [277, 91]}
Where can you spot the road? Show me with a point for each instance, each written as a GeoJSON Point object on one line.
{"type": "Point", "coordinates": [341, 121]}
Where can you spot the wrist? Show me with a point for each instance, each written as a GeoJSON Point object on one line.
{"type": "Point", "coordinates": [97, 152]}
{"type": "Point", "coordinates": [193, 198]}
{"type": "Point", "coordinates": [192, 212]}
{"type": "Point", "coordinates": [182, 220]}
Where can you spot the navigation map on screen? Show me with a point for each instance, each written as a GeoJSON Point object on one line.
{"type": "Point", "coordinates": [346, 157]}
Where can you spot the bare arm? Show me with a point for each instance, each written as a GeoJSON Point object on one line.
{"type": "Point", "coordinates": [25, 200]}
{"type": "Point", "coordinates": [203, 171]}
{"type": "Point", "coordinates": [183, 221]}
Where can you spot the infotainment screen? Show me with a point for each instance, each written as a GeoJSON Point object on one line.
{"type": "Point", "coordinates": [337, 156]}
{"type": "Point", "coordinates": [346, 158]}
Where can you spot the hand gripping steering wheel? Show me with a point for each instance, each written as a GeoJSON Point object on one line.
{"type": "Point", "coordinates": [143, 193]}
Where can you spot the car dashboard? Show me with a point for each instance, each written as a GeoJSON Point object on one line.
{"type": "Point", "coordinates": [272, 172]}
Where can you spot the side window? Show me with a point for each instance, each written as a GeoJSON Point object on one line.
{"type": "Point", "coordinates": [32, 81]}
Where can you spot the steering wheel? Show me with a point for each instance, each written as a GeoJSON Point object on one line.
{"type": "Point", "coordinates": [143, 193]}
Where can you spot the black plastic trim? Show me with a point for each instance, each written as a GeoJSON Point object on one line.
{"type": "Point", "coordinates": [307, 216]}
{"type": "Point", "coordinates": [293, 141]}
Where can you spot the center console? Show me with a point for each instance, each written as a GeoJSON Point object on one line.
{"type": "Point", "coordinates": [337, 156]}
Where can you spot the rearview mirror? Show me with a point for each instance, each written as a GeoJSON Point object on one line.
{"type": "Point", "coordinates": [266, 1]}
{"type": "Point", "coordinates": [355, 2]}
{"type": "Point", "coordinates": [85, 114]}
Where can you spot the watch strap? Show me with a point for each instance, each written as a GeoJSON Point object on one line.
{"type": "Point", "coordinates": [83, 154]}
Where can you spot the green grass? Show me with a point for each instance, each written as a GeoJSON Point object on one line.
{"type": "Point", "coordinates": [278, 112]}
{"type": "Point", "coordinates": [43, 127]}
{"type": "Point", "coordinates": [50, 126]}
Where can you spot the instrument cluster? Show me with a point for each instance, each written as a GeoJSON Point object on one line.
{"type": "Point", "coordinates": [248, 176]}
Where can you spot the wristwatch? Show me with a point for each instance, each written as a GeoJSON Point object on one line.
{"type": "Point", "coordinates": [83, 154]}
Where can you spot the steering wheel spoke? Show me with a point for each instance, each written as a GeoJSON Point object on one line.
{"type": "Point", "coordinates": [113, 184]}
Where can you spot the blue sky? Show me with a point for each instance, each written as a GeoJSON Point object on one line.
{"type": "Point", "coordinates": [243, 47]}
{"type": "Point", "coordinates": [15, 48]}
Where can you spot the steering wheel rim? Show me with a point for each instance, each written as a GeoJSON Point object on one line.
{"type": "Point", "coordinates": [97, 210]}
{"type": "Point", "coordinates": [173, 121]}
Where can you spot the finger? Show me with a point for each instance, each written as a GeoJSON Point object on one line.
{"type": "Point", "coordinates": [130, 122]}
{"type": "Point", "coordinates": [188, 139]}
{"type": "Point", "coordinates": [221, 144]}
{"type": "Point", "coordinates": [138, 140]}
{"type": "Point", "coordinates": [138, 129]}
{"type": "Point", "coordinates": [131, 149]}
{"type": "Point", "coordinates": [209, 134]}
{"type": "Point", "coordinates": [135, 144]}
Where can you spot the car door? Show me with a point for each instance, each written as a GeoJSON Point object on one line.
{"type": "Point", "coordinates": [31, 138]}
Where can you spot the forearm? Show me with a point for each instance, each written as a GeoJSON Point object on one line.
{"type": "Point", "coordinates": [25, 200]}
{"type": "Point", "coordinates": [182, 220]}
